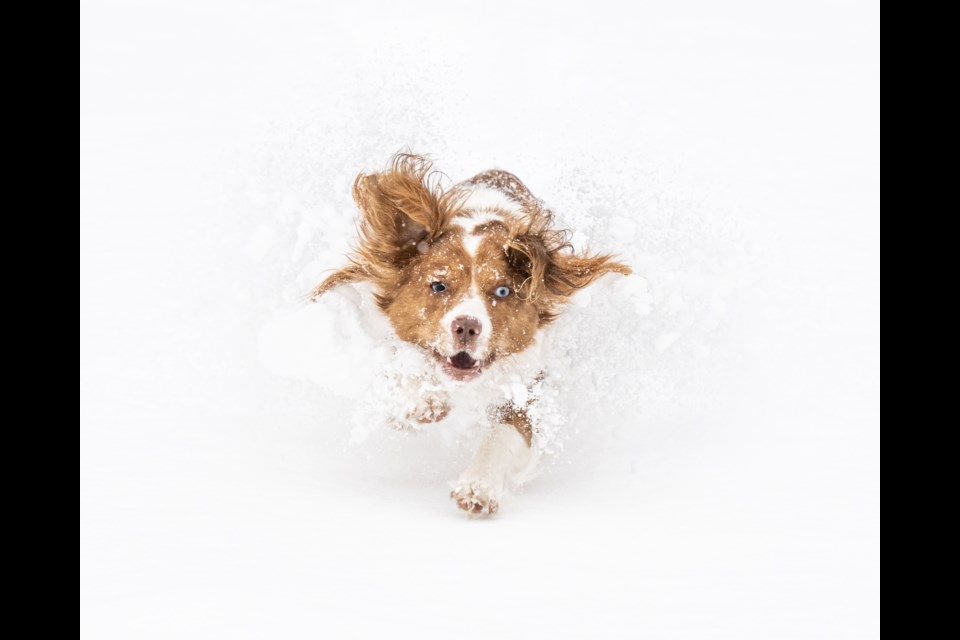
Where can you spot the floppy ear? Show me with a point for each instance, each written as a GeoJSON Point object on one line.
{"type": "Point", "coordinates": [352, 273]}
{"type": "Point", "coordinates": [576, 271]}
{"type": "Point", "coordinates": [552, 270]}
{"type": "Point", "coordinates": [402, 210]}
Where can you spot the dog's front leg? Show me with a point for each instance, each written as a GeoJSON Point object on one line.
{"type": "Point", "coordinates": [505, 452]}
{"type": "Point", "coordinates": [415, 401]}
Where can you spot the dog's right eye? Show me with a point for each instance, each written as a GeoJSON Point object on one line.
{"type": "Point", "coordinates": [438, 287]}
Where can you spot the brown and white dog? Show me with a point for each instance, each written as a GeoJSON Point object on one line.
{"type": "Point", "coordinates": [470, 274]}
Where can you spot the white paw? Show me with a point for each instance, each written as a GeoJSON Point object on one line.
{"type": "Point", "coordinates": [432, 407]}
{"type": "Point", "coordinates": [476, 496]}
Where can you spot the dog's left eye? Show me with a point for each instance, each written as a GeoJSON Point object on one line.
{"type": "Point", "coordinates": [438, 287]}
{"type": "Point", "coordinates": [501, 292]}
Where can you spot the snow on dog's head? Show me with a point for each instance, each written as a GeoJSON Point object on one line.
{"type": "Point", "coordinates": [468, 273]}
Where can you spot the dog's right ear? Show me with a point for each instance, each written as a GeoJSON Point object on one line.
{"type": "Point", "coordinates": [402, 210]}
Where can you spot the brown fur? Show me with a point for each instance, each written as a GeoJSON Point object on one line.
{"type": "Point", "coordinates": [518, 419]}
{"type": "Point", "coordinates": [553, 270]}
{"type": "Point", "coordinates": [399, 208]}
{"type": "Point", "coordinates": [406, 242]}
{"type": "Point", "coordinates": [406, 205]}
{"type": "Point", "coordinates": [413, 233]}
{"type": "Point", "coordinates": [507, 183]}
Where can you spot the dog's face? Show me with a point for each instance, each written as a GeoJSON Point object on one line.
{"type": "Point", "coordinates": [470, 273]}
{"type": "Point", "coordinates": [462, 299]}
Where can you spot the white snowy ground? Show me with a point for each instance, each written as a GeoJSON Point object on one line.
{"type": "Point", "coordinates": [717, 475]}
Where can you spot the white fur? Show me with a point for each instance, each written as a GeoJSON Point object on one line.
{"type": "Point", "coordinates": [471, 243]}
{"type": "Point", "coordinates": [470, 219]}
{"type": "Point", "coordinates": [469, 224]}
{"type": "Point", "coordinates": [485, 198]}
{"type": "Point", "coordinates": [503, 455]}
{"type": "Point", "coordinates": [479, 217]}
{"type": "Point", "coordinates": [473, 306]}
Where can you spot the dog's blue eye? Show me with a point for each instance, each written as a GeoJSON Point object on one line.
{"type": "Point", "coordinates": [438, 287]}
{"type": "Point", "coordinates": [501, 292]}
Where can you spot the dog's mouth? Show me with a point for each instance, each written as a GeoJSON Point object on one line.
{"type": "Point", "coordinates": [460, 366]}
{"type": "Point", "coordinates": [463, 361]}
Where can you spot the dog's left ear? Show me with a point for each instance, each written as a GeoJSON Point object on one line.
{"type": "Point", "coordinates": [402, 210]}
{"type": "Point", "coordinates": [577, 270]}
{"type": "Point", "coordinates": [552, 270]}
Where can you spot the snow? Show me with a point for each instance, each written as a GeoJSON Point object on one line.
{"type": "Point", "coordinates": [712, 461]}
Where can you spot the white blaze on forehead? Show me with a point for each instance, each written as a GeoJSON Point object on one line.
{"type": "Point", "coordinates": [471, 243]}
{"type": "Point", "coordinates": [471, 306]}
{"type": "Point", "coordinates": [483, 205]}
{"type": "Point", "coordinates": [469, 224]}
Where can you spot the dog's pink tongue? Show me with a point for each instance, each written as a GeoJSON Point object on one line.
{"type": "Point", "coordinates": [462, 360]}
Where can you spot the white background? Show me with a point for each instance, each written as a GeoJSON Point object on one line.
{"type": "Point", "coordinates": [721, 479]}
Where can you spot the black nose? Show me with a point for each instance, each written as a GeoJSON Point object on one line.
{"type": "Point", "coordinates": [465, 331]}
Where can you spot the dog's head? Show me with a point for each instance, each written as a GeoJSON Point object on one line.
{"type": "Point", "coordinates": [469, 273]}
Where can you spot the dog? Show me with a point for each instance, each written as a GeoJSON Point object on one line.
{"type": "Point", "coordinates": [470, 274]}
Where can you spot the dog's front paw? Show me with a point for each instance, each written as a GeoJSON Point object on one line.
{"type": "Point", "coordinates": [476, 497]}
{"type": "Point", "coordinates": [432, 407]}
